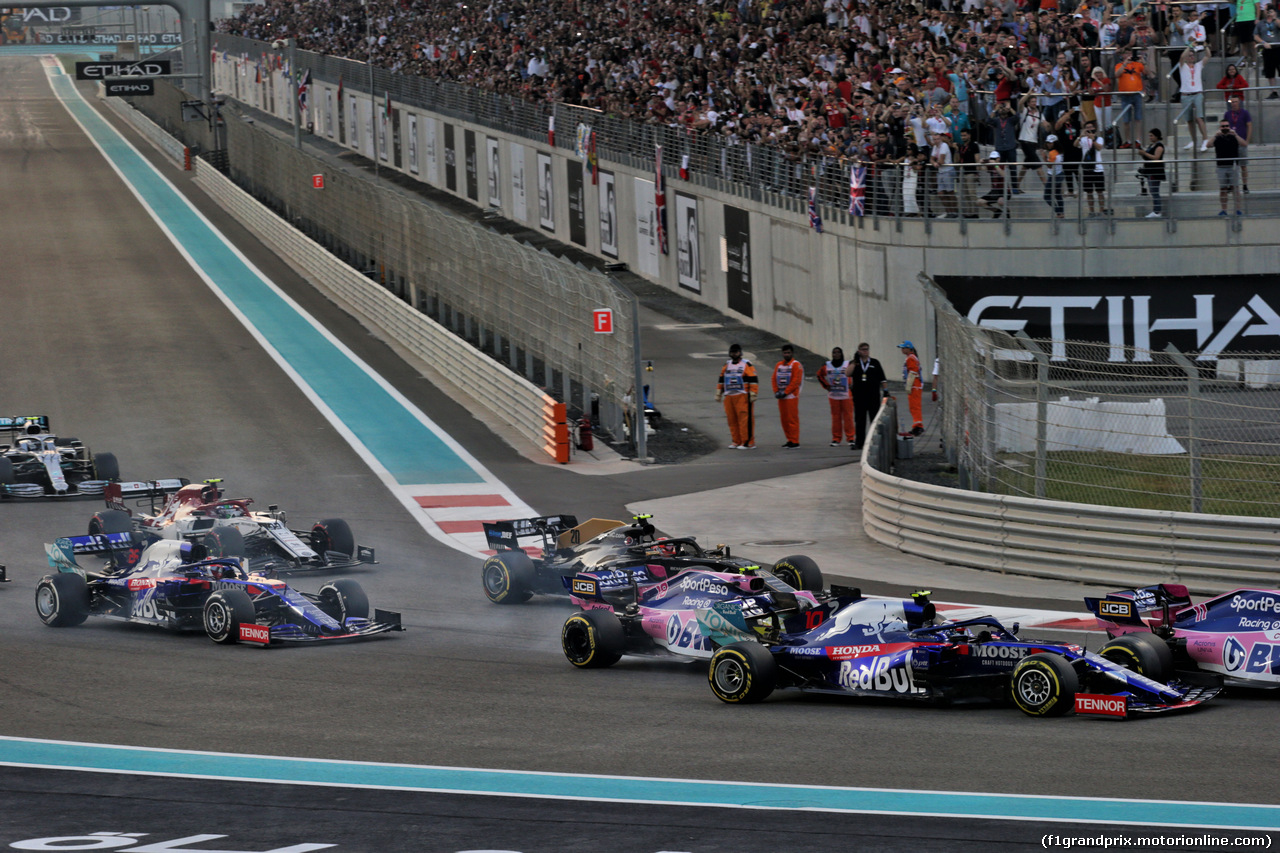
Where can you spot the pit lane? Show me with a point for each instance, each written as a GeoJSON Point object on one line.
{"type": "Point", "coordinates": [111, 333]}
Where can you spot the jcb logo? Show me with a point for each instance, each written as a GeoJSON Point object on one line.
{"type": "Point", "coordinates": [584, 587]}
{"type": "Point", "coordinates": [1116, 608]}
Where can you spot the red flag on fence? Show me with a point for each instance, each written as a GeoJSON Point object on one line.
{"type": "Point", "coordinates": [684, 168]}
{"type": "Point", "coordinates": [551, 131]}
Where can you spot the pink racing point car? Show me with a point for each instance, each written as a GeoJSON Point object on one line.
{"type": "Point", "coordinates": [662, 615]}
{"type": "Point", "coordinates": [1236, 635]}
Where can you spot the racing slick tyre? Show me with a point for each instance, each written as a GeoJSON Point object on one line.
{"type": "Point", "coordinates": [344, 598]}
{"type": "Point", "coordinates": [1145, 654]}
{"type": "Point", "coordinates": [7, 477]}
{"type": "Point", "coordinates": [593, 639]}
{"type": "Point", "coordinates": [1044, 685]}
{"type": "Point", "coordinates": [224, 542]}
{"type": "Point", "coordinates": [800, 572]}
{"type": "Point", "coordinates": [224, 612]}
{"type": "Point", "coordinates": [742, 673]}
{"type": "Point", "coordinates": [508, 577]}
{"type": "Point", "coordinates": [62, 600]}
{"type": "Point", "coordinates": [110, 521]}
{"type": "Point", "coordinates": [105, 466]}
{"type": "Point", "coordinates": [333, 534]}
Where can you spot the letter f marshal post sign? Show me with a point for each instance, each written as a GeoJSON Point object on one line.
{"type": "Point", "coordinates": [602, 321]}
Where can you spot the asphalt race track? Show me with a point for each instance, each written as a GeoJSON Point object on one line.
{"type": "Point", "coordinates": [107, 329]}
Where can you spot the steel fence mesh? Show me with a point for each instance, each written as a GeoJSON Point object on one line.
{"type": "Point", "coordinates": [528, 307]}
{"type": "Point", "coordinates": [1108, 424]}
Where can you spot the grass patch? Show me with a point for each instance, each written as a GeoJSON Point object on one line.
{"type": "Point", "coordinates": [1229, 485]}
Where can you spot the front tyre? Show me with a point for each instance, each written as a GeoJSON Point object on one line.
{"type": "Point", "coordinates": [343, 599]}
{"type": "Point", "coordinates": [508, 577]}
{"type": "Point", "coordinates": [799, 572]}
{"type": "Point", "coordinates": [593, 639]}
{"type": "Point", "coordinates": [224, 612]}
{"type": "Point", "coordinates": [332, 534]}
{"type": "Point", "coordinates": [742, 672]}
{"type": "Point", "coordinates": [1044, 685]}
{"type": "Point", "coordinates": [105, 466]}
{"type": "Point", "coordinates": [62, 600]}
{"type": "Point", "coordinates": [1145, 654]}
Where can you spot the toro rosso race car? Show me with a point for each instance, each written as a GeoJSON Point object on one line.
{"type": "Point", "coordinates": [566, 548]}
{"type": "Point", "coordinates": [37, 464]}
{"type": "Point", "coordinates": [167, 584]}
{"type": "Point", "coordinates": [881, 647]}
{"type": "Point", "coordinates": [1236, 635]}
{"type": "Point", "coordinates": [198, 512]}
{"type": "Point", "coordinates": [663, 617]}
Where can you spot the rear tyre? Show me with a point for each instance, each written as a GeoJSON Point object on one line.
{"type": "Point", "coordinates": [224, 612]}
{"type": "Point", "coordinates": [742, 672]}
{"type": "Point", "coordinates": [800, 572]}
{"type": "Point", "coordinates": [343, 599]}
{"type": "Point", "coordinates": [62, 600]}
{"type": "Point", "coordinates": [332, 534]}
{"type": "Point", "coordinates": [105, 466]}
{"type": "Point", "coordinates": [593, 639]}
{"type": "Point", "coordinates": [508, 577]}
{"type": "Point", "coordinates": [110, 521]}
{"type": "Point", "coordinates": [1145, 654]}
{"type": "Point", "coordinates": [224, 542]}
{"type": "Point", "coordinates": [1044, 685]}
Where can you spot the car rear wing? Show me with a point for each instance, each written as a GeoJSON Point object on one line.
{"type": "Point", "coordinates": [145, 491]}
{"type": "Point", "coordinates": [26, 425]}
{"type": "Point", "coordinates": [122, 550]}
{"type": "Point", "coordinates": [506, 535]}
{"type": "Point", "coordinates": [1129, 606]}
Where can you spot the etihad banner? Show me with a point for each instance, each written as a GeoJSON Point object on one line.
{"type": "Point", "coordinates": [1209, 315]}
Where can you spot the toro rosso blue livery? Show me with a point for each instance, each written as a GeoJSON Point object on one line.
{"type": "Point", "coordinates": [1236, 635]}
{"type": "Point", "coordinates": [167, 585]}
{"type": "Point", "coordinates": [878, 647]}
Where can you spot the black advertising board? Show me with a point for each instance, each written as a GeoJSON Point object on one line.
{"type": "Point", "coordinates": [472, 167]}
{"type": "Point", "coordinates": [126, 88]}
{"type": "Point", "coordinates": [141, 68]}
{"type": "Point", "coordinates": [737, 238]}
{"type": "Point", "coordinates": [1210, 315]}
{"type": "Point", "coordinates": [577, 203]}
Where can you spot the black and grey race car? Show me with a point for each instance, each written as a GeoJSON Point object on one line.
{"type": "Point", "coordinates": [35, 463]}
{"type": "Point", "coordinates": [170, 584]}
{"type": "Point", "coordinates": [628, 553]}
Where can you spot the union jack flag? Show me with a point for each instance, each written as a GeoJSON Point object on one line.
{"type": "Point", "coordinates": [857, 191]}
{"type": "Point", "coordinates": [660, 202]}
{"type": "Point", "coordinates": [303, 85]}
{"type": "Point", "coordinates": [815, 218]}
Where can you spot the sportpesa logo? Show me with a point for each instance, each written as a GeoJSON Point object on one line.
{"type": "Point", "coordinates": [1264, 603]}
{"type": "Point", "coordinates": [703, 584]}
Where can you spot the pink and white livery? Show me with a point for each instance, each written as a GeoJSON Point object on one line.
{"type": "Point", "coordinates": [1236, 635]}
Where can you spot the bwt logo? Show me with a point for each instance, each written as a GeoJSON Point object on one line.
{"type": "Point", "coordinates": [1116, 608]}
{"type": "Point", "coordinates": [1240, 602]}
{"type": "Point", "coordinates": [1113, 706]}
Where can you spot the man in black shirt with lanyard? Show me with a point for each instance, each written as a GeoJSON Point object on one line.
{"type": "Point", "coordinates": [867, 384]}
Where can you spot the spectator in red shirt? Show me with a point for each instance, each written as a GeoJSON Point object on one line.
{"type": "Point", "coordinates": [1233, 81]}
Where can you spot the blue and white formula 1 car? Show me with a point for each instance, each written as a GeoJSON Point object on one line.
{"type": "Point", "coordinates": [37, 464]}
{"type": "Point", "coordinates": [873, 647]}
{"type": "Point", "coordinates": [167, 584]}
{"type": "Point", "coordinates": [1236, 635]}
